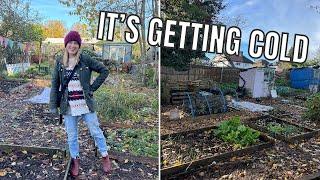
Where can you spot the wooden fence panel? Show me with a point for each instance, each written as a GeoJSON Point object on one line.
{"type": "Point", "coordinates": [224, 75]}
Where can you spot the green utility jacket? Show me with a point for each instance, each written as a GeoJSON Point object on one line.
{"type": "Point", "coordinates": [84, 70]}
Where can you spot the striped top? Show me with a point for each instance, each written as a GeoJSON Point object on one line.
{"type": "Point", "coordinates": [76, 99]}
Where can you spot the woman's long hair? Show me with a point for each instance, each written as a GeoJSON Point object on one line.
{"type": "Point", "coordinates": [66, 57]}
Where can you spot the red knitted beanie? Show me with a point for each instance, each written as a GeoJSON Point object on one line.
{"type": "Point", "coordinates": [72, 36]}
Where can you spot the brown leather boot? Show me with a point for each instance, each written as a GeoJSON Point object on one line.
{"type": "Point", "coordinates": [75, 163]}
{"type": "Point", "coordinates": [106, 164]}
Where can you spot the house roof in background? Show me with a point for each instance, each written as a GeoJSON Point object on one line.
{"type": "Point", "coordinates": [241, 58]}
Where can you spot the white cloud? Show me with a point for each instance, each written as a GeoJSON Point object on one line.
{"type": "Point", "coordinates": [251, 2]}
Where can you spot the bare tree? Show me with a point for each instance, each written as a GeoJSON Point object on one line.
{"type": "Point", "coordinates": [88, 11]}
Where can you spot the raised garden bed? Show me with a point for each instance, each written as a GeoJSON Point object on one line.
{"type": "Point", "coordinates": [38, 113]}
{"type": "Point", "coordinates": [9, 85]}
{"type": "Point", "coordinates": [187, 151]}
{"type": "Point", "coordinates": [296, 117]}
{"type": "Point", "coordinates": [27, 125]}
{"type": "Point", "coordinates": [281, 129]}
{"type": "Point", "coordinates": [33, 149]}
{"type": "Point", "coordinates": [91, 168]}
{"type": "Point", "coordinates": [282, 161]}
{"type": "Point", "coordinates": [125, 164]}
{"type": "Point", "coordinates": [31, 163]}
{"type": "Point", "coordinates": [189, 123]}
{"type": "Point", "coordinates": [34, 126]}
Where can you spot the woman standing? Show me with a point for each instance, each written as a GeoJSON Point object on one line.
{"type": "Point", "coordinates": [77, 99]}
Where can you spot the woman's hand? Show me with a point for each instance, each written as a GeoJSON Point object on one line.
{"type": "Point", "coordinates": [91, 94]}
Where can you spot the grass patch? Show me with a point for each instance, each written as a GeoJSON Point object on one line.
{"type": "Point", "coordinates": [282, 81]}
{"type": "Point", "coordinates": [142, 142]}
{"type": "Point", "coordinates": [150, 81]}
{"type": "Point", "coordinates": [228, 86]}
{"type": "Point", "coordinates": [118, 104]}
{"type": "Point", "coordinates": [285, 129]}
{"type": "Point", "coordinates": [286, 91]}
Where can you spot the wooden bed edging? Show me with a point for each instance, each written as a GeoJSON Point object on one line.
{"type": "Point", "coordinates": [292, 139]}
{"type": "Point", "coordinates": [186, 167]}
{"type": "Point", "coordinates": [34, 149]}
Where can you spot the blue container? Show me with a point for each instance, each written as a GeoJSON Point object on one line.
{"type": "Point", "coordinates": [304, 84]}
{"type": "Point", "coordinates": [301, 78]}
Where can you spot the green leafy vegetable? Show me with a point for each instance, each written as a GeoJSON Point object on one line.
{"type": "Point", "coordinates": [285, 129]}
{"type": "Point", "coordinates": [233, 131]}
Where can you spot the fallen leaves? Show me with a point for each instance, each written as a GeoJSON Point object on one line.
{"type": "Point", "coordinates": [196, 146]}
{"type": "Point", "coordinates": [188, 123]}
{"type": "Point", "coordinates": [32, 125]}
{"type": "Point", "coordinates": [316, 160]}
{"type": "Point", "coordinates": [31, 165]}
{"type": "Point", "coordinates": [24, 152]}
{"type": "Point", "coordinates": [3, 172]}
{"type": "Point", "coordinates": [7, 86]}
{"type": "Point", "coordinates": [115, 164]}
{"type": "Point", "coordinates": [56, 168]}
{"type": "Point", "coordinates": [18, 175]}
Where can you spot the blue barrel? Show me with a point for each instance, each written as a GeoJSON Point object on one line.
{"type": "Point", "coordinates": [301, 78]}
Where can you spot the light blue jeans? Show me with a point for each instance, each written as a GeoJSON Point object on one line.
{"type": "Point", "coordinates": [91, 119]}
